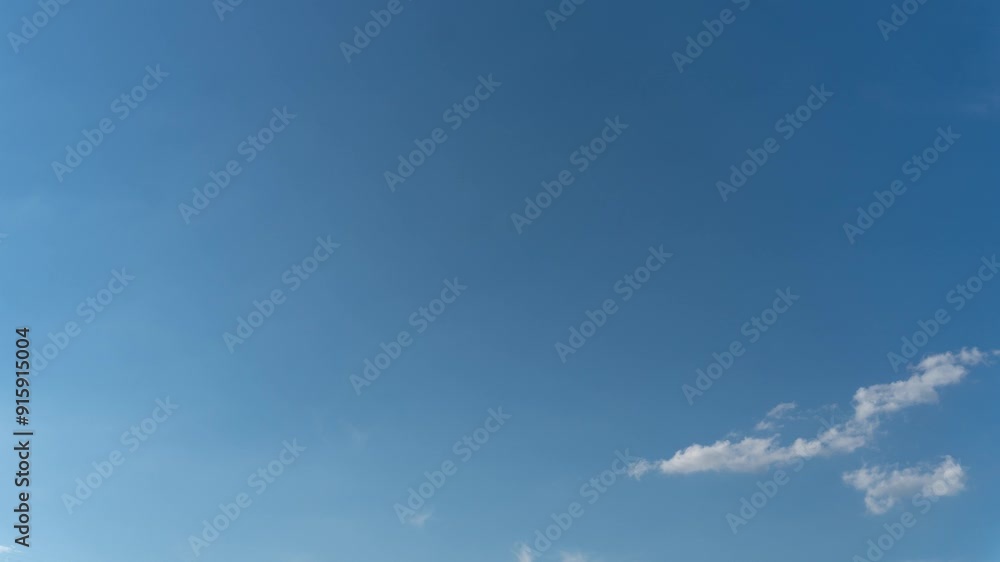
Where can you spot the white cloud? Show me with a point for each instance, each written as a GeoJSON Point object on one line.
{"type": "Point", "coordinates": [524, 553]}
{"type": "Point", "coordinates": [933, 372]}
{"type": "Point", "coordinates": [759, 453]}
{"type": "Point", "coordinates": [776, 414]}
{"type": "Point", "coordinates": [572, 557]}
{"type": "Point", "coordinates": [884, 488]}
{"type": "Point", "coordinates": [756, 453]}
{"type": "Point", "coordinates": [5, 549]}
{"type": "Point", "coordinates": [419, 519]}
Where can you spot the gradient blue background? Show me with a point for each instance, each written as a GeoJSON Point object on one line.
{"type": "Point", "coordinates": [494, 346]}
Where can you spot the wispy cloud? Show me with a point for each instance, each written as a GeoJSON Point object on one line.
{"type": "Point", "coordinates": [931, 373]}
{"type": "Point", "coordinates": [870, 403]}
{"type": "Point", "coordinates": [884, 488]}
{"type": "Point", "coordinates": [419, 519]}
{"type": "Point", "coordinates": [776, 414]}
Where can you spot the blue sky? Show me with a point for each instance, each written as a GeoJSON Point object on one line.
{"type": "Point", "coordinates": [442, 271]}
